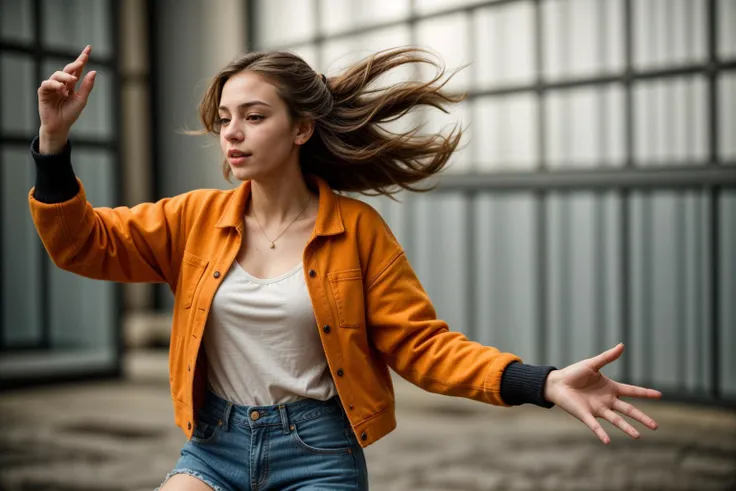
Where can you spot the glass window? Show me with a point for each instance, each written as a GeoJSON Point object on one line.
{"type": "Point", "coordinates": [20, 263]}
{"type": "Point", "coordinates": [727, 117]}
{"type": "Point", "coordinates": [726, 14]}
{"type": "Point", "coordinates": [506, 132]}
{"type": "Point", "coordinates": [73, 24]}
{"type": "Point", "coordinates": [671, 121]}
{"type": "Point", "coordinates": [430, 6]}
{"type": "Point", "coordinates": [19, 100]}
{"type": "Point", "coordinates": [344, 15]}
{"type": "Point", "coordinates": [342, 52]}
{"type": "Point", "coordinates": [448, 37]}
{"type": "Point", "coordinates": [667, 32]}
{"type": "Point", "coordinates": [284, 22]}
{"type": "Point", "coordinates": [16, 21]}
{"type": "Point", "coordinates": [504, 45]}
{"type": "Point", "coordinates": [582, 38]}
{"type": "Point", "coordinates": [585, 127]}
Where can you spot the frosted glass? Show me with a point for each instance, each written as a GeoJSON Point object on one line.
{"type": "Point", "coordinates": [727, 117]}
{"type": "Point", "coordinates": [16, 21]}
{"type": "Point", "coordinates": [668, 32]}
{"type": "Point", "coordinates": [671, 121]}
{"type": "Point", "coordinates": [726, 32]}
{"type": "Point", "coordinates": [447, 36]}
{"type": "Point", "coordinates": [19, 99]}
{"type": "Point", "coordinates": [506, 132]}
{"type": "Point", "coordinates": [582, 38]}
{"type": "Point", "coordinates": [504, 44]}
{"type": "Point", "coordinates": [344, 15]}
{"type": "Point", "coordinates": [284, 22]}
{"type": "Point", "coordinates": [73, 24]}
{"type": "Point", "coordinates": [20, 262]}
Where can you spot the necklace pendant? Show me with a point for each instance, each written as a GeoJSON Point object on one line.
{"type": "Point", "coordinates": [272, 245]}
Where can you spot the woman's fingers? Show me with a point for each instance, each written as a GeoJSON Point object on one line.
{"type": "Point", "coordinates": [52, 86]}
{"type": "Point", "coordinates": [65, 78]}
{"type": "Point", "coordinates": [625, 390]}
{"type": "Point", "coordinates": [634, 413]}
{"type": "Point", "coordinates": [88, 83]}
{"type": "Point", "coordinates": [596, 427]}
{"type": "Point", "coordinates": [606, 357]}
{"type": "Point", "coordinates": [620, 423]}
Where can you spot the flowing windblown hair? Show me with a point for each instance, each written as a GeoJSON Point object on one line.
{"type": "Point", "coordinates": [351, 148]}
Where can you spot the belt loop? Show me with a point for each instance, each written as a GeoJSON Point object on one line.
{"type": "Point", "coordinates": [226, 416]}
{"type": "Point", "coordinates": [284, 419]}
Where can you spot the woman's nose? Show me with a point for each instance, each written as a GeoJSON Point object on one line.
{"type": "Point", "coordinates": [232, 133]}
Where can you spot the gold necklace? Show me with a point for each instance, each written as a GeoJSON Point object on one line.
{"type": "Point", "coordinates": [271, 242]}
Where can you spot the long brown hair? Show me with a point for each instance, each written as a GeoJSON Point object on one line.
{"type": "Point", "coordinates": [351, 148]}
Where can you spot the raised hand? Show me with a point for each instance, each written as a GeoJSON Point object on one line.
{"type": "Point", "coordinates": [584, 392]}
{"type": "Point", "coordinates": [59, 106]}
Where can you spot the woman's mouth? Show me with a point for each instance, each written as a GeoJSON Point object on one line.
{"type": "Point", "coordinates": [238, 158]}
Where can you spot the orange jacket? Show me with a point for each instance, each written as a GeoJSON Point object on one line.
{"type": "Point", "coordinates": [371, 311]}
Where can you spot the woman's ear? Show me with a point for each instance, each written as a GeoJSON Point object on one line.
{"type": "Point", "coordinates": [305, 129]}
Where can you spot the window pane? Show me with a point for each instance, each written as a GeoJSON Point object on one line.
{"type": "Point", "coordinates": [81, 309]}
{"type": "Point", "coordinates": [504, 44]}
{"type": "Point", "coordinates": [97, 119]}
{"type": "Point", "coordinates": [668, 32]}
{"type": "Point", "coordinates": [727, 116]}
{"type": "Point", "coordinates": [20, 262]}
{"type": "Point", "coordinates": [19, 99]}
{"type": "Point", "coordinates": [582, 38]}
{"type": "Point", "coordinates": [505, 132]}
{"type": "Point", "coordinates": [448, 37]}
{"type": "Point", "coordinates": [344, 15]}
{"type": "Point", "coordinates": [427, 6]}
{"type": "Point", "coordinates": [308, 52]}
{"type": "Point", "coordinates": [73, 24]}
{"type": "Point", "coordinates": [341, 53]}
{"type": "Point", "coordinates": [726, 33]}
{"type": "Point", "coordinates": [671, 121]}
{"type": "Point", "coordinates": [584, 127]}
{"type": "Point", "coordinates": [283, 22]}
{"type": "Point", "coordinates": [16, 21]}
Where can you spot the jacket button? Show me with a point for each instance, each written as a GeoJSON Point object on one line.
{"type": "Point", "coordinates": [216, 274]}
{"type": "Point", "coordinates": [189, 368]}
{"type": "Point", "coordinates": [189, 425]}
{"type": "Point", "coordinates": [326, 329]}
{"type": "Point", "coordinates": [312, 273]}
{"type": "Point", "coordinates": [350, 406]}
{"type": "Point", "coordinates": [340, 373]}
{"type": "Point", "coordinates": [363, 436]}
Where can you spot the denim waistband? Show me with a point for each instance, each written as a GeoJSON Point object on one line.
{"type": "Point", "coordinates": [230, 413]}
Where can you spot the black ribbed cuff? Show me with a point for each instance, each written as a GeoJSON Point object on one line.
{"type": "Point", "coordinates": [55, 179]}
{"type": "Point", "coordinates": [522, 384]}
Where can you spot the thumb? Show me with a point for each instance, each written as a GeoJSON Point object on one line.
{"type": "Point", "coordinates": [87, 84]}
{"type": "Point", "coordinates": [606, 357]}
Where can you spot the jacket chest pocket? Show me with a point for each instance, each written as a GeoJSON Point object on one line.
{"type": "Point", "coordinates": [347, 289]}
{"type": "Point", "coordinates": [192, 271]}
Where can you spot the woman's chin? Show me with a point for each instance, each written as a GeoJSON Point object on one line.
{"type": "Point", "coordinates": [243, 174]}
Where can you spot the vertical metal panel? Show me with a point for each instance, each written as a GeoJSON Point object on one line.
{"type": "Point", "coordinates": [727, 281]}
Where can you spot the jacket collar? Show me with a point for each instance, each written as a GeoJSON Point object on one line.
{"type": "Point", "coordinates": [329, 218]}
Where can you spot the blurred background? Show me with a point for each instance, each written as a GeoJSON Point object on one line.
{"type": "Point", "coordinates": [593, 201]}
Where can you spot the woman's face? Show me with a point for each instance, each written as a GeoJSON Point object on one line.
{"type": "Point", "coordinates": [256, 134]}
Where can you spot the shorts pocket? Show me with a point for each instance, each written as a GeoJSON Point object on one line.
{"type": "Point", "coordinates": [322, 436]}
{"type": "Point", "coordinates": [206, 427]}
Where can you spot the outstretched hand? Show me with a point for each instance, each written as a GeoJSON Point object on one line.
{"type": "Point", "coordinates": [584, 392]}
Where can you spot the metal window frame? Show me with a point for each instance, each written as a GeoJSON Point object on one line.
{"type": "Point", "coordinates": [39, 52]}
{"type": "Point", "coordinates": [710, 177]}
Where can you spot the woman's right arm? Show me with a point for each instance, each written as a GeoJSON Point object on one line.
{"type": "Point", "coordinates": [139, 244]}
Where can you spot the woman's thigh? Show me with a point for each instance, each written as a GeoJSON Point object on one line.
{"type": "Point", "coordinates": [184, 482]}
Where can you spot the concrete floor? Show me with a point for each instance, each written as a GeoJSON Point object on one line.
{"type": "Point", "coordinates": [120, 436]}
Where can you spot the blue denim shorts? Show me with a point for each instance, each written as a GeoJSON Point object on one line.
{"type": "Point", "coordinates": [303, 445]}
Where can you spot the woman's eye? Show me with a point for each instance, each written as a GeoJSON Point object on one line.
{"type": "Point", "coordinates": [223, 121]}
{"type": "Point", "coordinates": [255, 117]}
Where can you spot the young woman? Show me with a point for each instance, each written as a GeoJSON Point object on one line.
{"type": "Point", "coordinates": [292, 301]}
